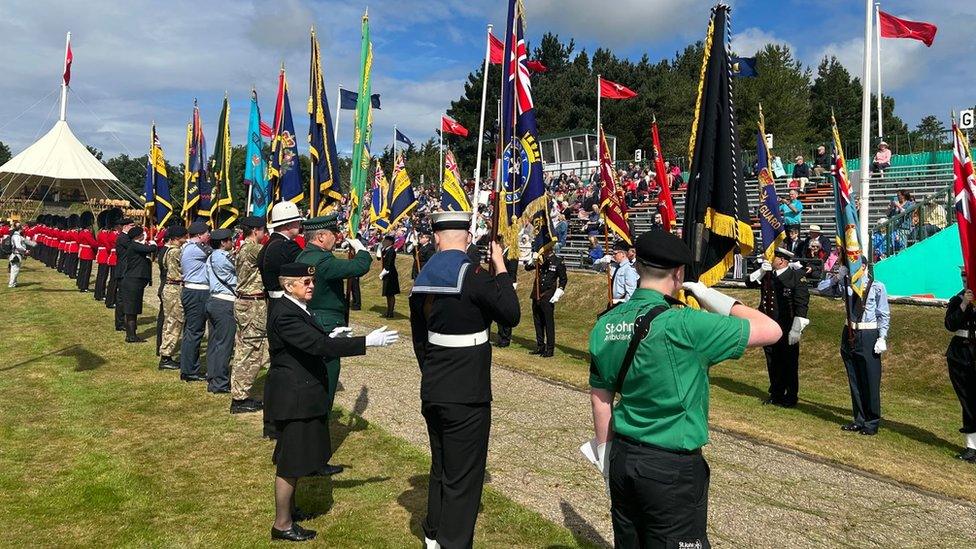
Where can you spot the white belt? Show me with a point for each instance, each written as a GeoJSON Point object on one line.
{"type": "Point", "coordinates": [458, 340]}
{"type": "Point", "coordinates": [85, 246]}
{"type": "Point", "coordinates": [225, 297]}
{"type": "Point", "coordinates": [962, 333]}
{"type": "Point", "coordinates": [192, 286]}
{"type": "Point", "coordinates": [863, 325]}
{"type": "Point", "coordinates": [276, 294]}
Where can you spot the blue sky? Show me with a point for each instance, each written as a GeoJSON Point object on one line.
{"type": "Point", "coordinates": [140, 60]}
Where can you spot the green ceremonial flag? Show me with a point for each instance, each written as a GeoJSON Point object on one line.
{"type": "Point", "coordinates": [223, 214]}
{"type": "Point", "coordinates": [363, 134]}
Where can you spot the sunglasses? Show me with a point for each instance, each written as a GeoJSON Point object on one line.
{"type": "Point", "coordinates": [306, 281]}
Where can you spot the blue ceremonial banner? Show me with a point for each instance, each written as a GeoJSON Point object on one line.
{"type": "Point", "coordinates": [255, 165]}
{"type": "Point", "coordinates": [403, 139]}
{"type": "Point", "coordinates": [157, 193]}
{"type": "Point", "coordinates": [284, 150]}
{"type": "Point", "coordinates": [348, 99]}
{"type": "Point", "coordinates": [325, 189]}
{"type": "Point", "coordinates": [196, 171]}
{"type": "Point", "coordinates": [402, 199]}
{"type": "Point", "coordinates": [744, 67]}
{"type": "Point", "coordinates": [771, 225]}
{"type": "Point", "coordinates": [524, 193]}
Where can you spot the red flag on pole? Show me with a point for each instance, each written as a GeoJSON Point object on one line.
{"type": "Point", "coordinates": [613, 90]}
{"type": "Point", "coordinates": [449, 125]}
{"type": "Point", "coordinates": [665, 205]}
{"type": "Point", "coordinates": [613, 207]}
{"type": "Point", "coordinates": [964, 186]}
{"type": "Point", "coordinates": [68, 57]}
{"type": "Point", "coordinates": [894, 27]}
{"type": "Point", "coordinates": [536, 66]}
{"type": "Point", "coordinates": [497, 50]}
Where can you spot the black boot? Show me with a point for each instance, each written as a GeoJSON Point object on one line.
{"type": "Point", "coordinates": [167, 363]}
{"type": "Point", "coordinates": [130, 330]}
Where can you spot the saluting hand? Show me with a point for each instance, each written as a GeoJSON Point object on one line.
{"type": "Point", "coordinates": [498, 258]}
{"type": "Point", "coordinates": [967, 299]}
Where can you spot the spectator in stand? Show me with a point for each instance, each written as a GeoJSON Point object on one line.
{"type": "Point", "coordinates": [884, 244]}
{"type": "Point", "coordinates": [792, 210]}
{"type": "Point", "coordinates": [562, 231]}
{"type": "Point", "coordinates": [594, 259]}
{"type": "Point", "coordinates": [792, 241]}
{"type": "Point", "coordinates": [593, 224]}
{"type": "Point", "coordinates": [822, 162]}
{"type": "Point", "coordinates": [815, 257]}
{"type": "Point", "coordinates": [882, 159]}
{"type": "Point", "coordinates": [658, 222]}
{"type": "Point", "coordinates": [677, 181]}
{"type": "Point", "coordinates": [815, 234]}
{"type": "Point", "coordinates": [801, 172]}
{"type": "Point", "coordinates": [934, 220]}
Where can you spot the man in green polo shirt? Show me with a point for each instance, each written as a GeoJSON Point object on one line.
{"type": "Point", "coordinates": [328, 304]}
{"type": "Point", "coordinates": [657, 476]}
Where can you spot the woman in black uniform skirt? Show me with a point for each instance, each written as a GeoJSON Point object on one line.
{"type": "Point", "coordinates": [297, 390]}
{"type": "Point", "coordinates": [389, 275]}
{"type": "Point", "coordinates": [138, 273]}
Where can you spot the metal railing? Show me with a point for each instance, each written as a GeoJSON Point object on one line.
{"type": "Point", "coordinates": [913, 225]}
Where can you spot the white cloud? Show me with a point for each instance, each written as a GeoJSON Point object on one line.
{"type": "Point", "coordinates": [753, 39]}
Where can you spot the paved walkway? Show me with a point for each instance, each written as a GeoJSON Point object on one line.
{"type": "Point", "coordinates": [760, 496]}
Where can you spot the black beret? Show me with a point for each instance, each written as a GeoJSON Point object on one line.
{"type": "Point", "coordinates": [621, 246]}
{"type": "Point", "coordinates": [254, 222]}
{"type": "Point", "coordinates": [662, 250]}
{"type": "Point", "coordinates": [296, 269]}
{"type": "Point", "coordinates": [221, 234]}
{"type": "Point", "coordinates": [135, 232]}
{"type": "Point", "coordinates": [197, 228]}
{"type": "Point", "coordinates": [329, 222]}
{"type": "Point", "coordinates": [175, 231]}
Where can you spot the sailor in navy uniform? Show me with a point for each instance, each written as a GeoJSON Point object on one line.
{"type": "Point", "coordinates": [452, 304]}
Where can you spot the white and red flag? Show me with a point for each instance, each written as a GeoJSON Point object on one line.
{"type": "Point", "coordinates": [896, 27]}
{"type": "Point", "coordinates": [964, 188]}
{"type": "Point", "coordinates": [449, 125]}
{"type": "Point", "coordinates": [613, 90]}
{"type": "Point", "coordinates": [68, 58]}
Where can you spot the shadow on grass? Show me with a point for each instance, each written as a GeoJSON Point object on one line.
{"type": "Point", "coordinates": [414, 501]}
{"type": "Point", "coordinates": [84, 359]}
{"type": "Point", "coordinates": [353, 422]}
{"type": "Point", "coordinates": [529, 344]}
{"type": "Point", "coordinates": [582, 530]}
{"type": "Point", "coordinates": [839, 415]}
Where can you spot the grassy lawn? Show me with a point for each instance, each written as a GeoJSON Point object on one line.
{"type": "Point", "coordinates": [919, 434]}
{"type": "Point", "coordinates": [98, 447]}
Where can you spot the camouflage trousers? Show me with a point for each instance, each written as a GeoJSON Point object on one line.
{"type": "Point", "coordinates": [172, 321]}
{"type": "Point", "coordinates": [251, 347]}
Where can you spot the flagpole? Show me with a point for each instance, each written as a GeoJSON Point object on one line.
{"type": "Point", "coordinates": [394, 142]}
{"type": "Point", "coordinates": [440, 149]}
{"type": "Point", "coordinates": [598, 96]}
{"type": "Point", "coordinates": [152, 166]}
{"type": "Point", "coordinates": [335, 130]}
{"type": "Point", "coordinates": [877, 22]}
{"type": "Point", "coordinates": [866, 128]}
{"type": "Point", "coordinates": [64, 85]}
{"type": "Point", "coordinates": [481, 132]}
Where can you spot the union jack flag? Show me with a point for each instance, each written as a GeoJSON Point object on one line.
{"type": "Point", "coordinates": [964, 187]}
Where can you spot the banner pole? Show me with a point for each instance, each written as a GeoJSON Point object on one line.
{"type": "Point", "coordinates": [476, 195]}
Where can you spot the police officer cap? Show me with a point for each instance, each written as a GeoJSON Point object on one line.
{"type": "Point", "coordinates": [784, 253]}
{"type": "Point", "coordinates": [135, 232]}
{"type": "Point", "coordinates": [253, 222]}
{"type": "Point", "coordinates": [221, 234]}
{"type": "Point", "coordinates": [662, 250]}
{"type": "Point", "coordinates": [621, 246]}
{"type": "Point", "coordinates": [197, 228]}
{"type": "Point", "coordinates": [328, 222]}
{"type": "Point", "coordinates": [443, 221]}
{"type": "Point", "coordinates": [175, 231]}
{"type": "Point", "coordinates": [296, 269]}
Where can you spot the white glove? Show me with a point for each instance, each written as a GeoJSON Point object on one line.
{"type": "Point", "coordinates": [381, 337]}
{"type": "Point", "coordinates": [355, 244]}
{"type": "Point", "coordinates": [799, 324]}
{"type": "Point", "coordinates": [556, 295]}
{"type": "Point", "coordinates": [383, 273]}
{"type": "Point", "coordinates": [515, 285]}
{"type": "Point", "coordinates": [766, 266]}
{"type": "Point", "coordinates": [880, 346]}
{"type": "Point", "coordinates": [603, 260]}
{"type": "Point", "coordinates": [796, 265]}
{"type": "Point", "coordinates": [535, 257]}
{"type": "Point", "coordinates": [341, 331]}
{"type": "Point", "coordinates": [710, 299]}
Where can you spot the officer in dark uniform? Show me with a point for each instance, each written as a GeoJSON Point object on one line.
{"type": "Point", "coordinates": [960, 319]}
{"type": "Point", "coordinates": [421, 254]}
{"type": "Point", "coordinates": [121, 246]}
{"type": "Point", "coordinates": [451, 307]}
{"type": "Point", "coordinates": [657, 356]}
{"type": "Point", "coordinates": [784, 297]}
{"type": "Point", "coordinates": [548, 288]}
{"type": "Point", "coordinates": [511, 265]}
{"type": "Point", "coordinates": [138, 274]}
{"type": "Point", "coordinates": [389, 276]}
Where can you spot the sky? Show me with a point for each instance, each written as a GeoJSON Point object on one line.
{"type": "Point", "coordinates": [141, 61]}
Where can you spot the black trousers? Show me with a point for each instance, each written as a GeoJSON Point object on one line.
{"type": "Point", "coordinates": [504, 335]}
{"type": "Point", "coordinates": [458, 453]}
{"type": "Point", "coordinates": [100, 278]}
{"type": "Point", "coordinates": [355, 295]}
{"type": "Point", "coordinates": [84, 274]}
{"type": "Point", "coordinates": [863, 375]}
{"type": "Point", "coordinates": [658, 499]}
{"type": "Point", "coordinates": [61, 259]}
{"type": "Point", "coordinates": [962, 374]}
{"type": "Point", "coordinates": [783, 366]}
{"type": "Point", "coordinates": [71, 266]}
{"type": "Point", "coordinates": [543, 316]}
{"type": "Point", "coordinates": [112, 289]}
{"type": "Point", "coordinates": [194, 324]}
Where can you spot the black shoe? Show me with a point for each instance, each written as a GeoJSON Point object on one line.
{"type": "Point", "coordinates": [107, 306]}
{"type": "Point", "coordinates": [770, 400]}
{"type": "Point", "coordinates": [167, 363]}
{"type": "Point", "coordinates": [537, 352]}
{"type": "Point", "coordinates": [218, 391]}
{"type": "Point", "coordinates": [330, 470]}
{"type": "Point", "coordinates": [298, 515]}
{"type": "Point", "coordinates": [969, 454]}
{"type": "Point", "coordinates": [295, 533]}
{"type": "Point", "coordinates": [247, 406]}
{"type": "Point", "coordinates": [851, 427]}
{"type": "Point", "coordinates": [134, 339]}
{"type": "Point", "coordinates": [868, 432]}
{"type": "Point", "coordinates": [193, 377]}
{"type": "Point", "coordinates": [83, 291]}
{"type": "Point", "coordinates": [119, 328]}
{"type": "Point", "coordinates": [546, 354]}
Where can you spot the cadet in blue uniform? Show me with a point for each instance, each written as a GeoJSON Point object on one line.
{"type": "Point", "coordinates": [657, 356]}
{"type": "Point", "coordinates": [452, 304]}
{"type": "Point", "coordinates": [862, 343]}
{"type": "Point", "coordinates": [222, 279]}
{"type": "Point", "coordinates": [194, 297]}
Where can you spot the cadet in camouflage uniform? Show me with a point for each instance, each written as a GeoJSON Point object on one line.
{"type": "Point", "coordinates": [251, 314]}
{"type": "Point", "coordinates": [170, 287]}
